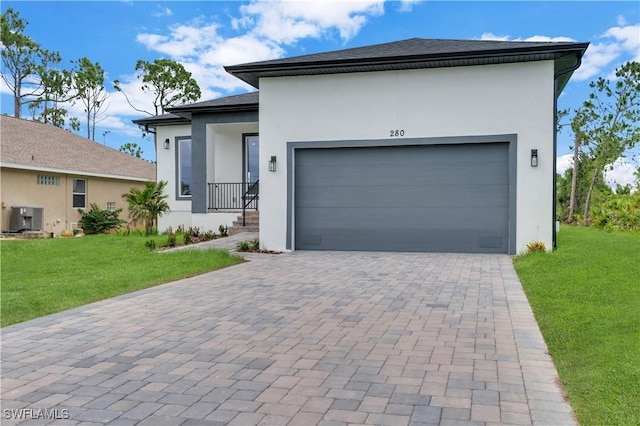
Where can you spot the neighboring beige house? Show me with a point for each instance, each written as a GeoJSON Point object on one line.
{"type": "Point", "coordinates": [48, 173]}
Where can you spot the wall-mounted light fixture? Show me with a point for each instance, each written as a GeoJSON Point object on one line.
{"type": "Point", "coordinates": [166, 143]}
{"type": "Point", "coordinates": [534, 158]}
{"type": "Point", "coordinates": [272, 164]}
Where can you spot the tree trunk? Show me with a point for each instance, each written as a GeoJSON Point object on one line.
{"type": "Point", "coordinates": [88, 124]}
{"type": "Point", "coordinates": [17, 105]}
{"type": "Point", "coordinates": [587, 202]}
{"type": "Point", "coordinates": [574, 180]}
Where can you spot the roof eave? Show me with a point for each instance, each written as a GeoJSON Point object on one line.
{"type": "Point", "coordinates": [251, 73]}
{"type": "Point", "coordinates": [76, 172]}
{"type": "Point", "coordinates": [185, 110]}
{"type": "Point", "coordinates": [154, 121]}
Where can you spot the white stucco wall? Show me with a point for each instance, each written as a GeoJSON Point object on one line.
{"type": "Point", "coordinates": [224, 164]}
{"type": "Point", "coordinates": [228, 150]}
{"type": "Point", "coordinates": [463, 101]}
{"type": "Point", "coordinates": [166, 164]}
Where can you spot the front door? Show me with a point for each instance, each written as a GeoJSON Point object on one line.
{"type": "Point", "coordinates": [251, 163]}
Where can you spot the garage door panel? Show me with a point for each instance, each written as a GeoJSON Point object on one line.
{"type": "Point", "coordinates": [390, 174]}
{"type": "Point", "coordinates": [427, 239]}
{"type": "Point", "coordinates": [441, 218]}
{"type": "Point", "coordinates": [438, 154]}
{"type": "Point", "coordinates": [401, 197]}
{"type": "Point", "coordinates": [441, 198]}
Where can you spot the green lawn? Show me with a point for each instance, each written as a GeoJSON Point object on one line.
{"type": "Point", "coordinates": [40, 277]}
{"type": "Point", "coordinates": [586, 298]}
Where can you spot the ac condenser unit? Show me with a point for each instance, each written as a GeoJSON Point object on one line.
{"type": "Point", "coordinates": [26, 218]}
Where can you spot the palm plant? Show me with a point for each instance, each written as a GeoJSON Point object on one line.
{"type": "Point", "coordinates": [147, 204]}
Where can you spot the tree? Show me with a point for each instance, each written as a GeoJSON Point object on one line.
{"type": "Point", "coordinates": [576, 123]}
{"type": "Point", "coordinates": [21, 57]}
{"type": "Point", "coordinates": [88, 81]}
{"type": "Point", "coordinates": [168, 81]}
{"type": "Point", "coordinates": [610, 125]}
{"type": "Point", "coordinates": [132, 149]}
{"type": "Point", "coordinates": [56, 91]}
{"type": "Point", "coordinates": [147, 204]}
{"type": "Point", "coordinates": [623, 189]}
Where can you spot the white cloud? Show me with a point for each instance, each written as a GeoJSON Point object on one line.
{"type": "Point", "coordinates": [288, 21]}
{"type": "Point", "coordinates": [620, 43]}
{"type": "Point", "coordinates": [162, 11]}
{"type": "Point", "coordinates": [407, 5]}
{"type": "Point", "coordinates": [494, 37]}
{"type": "Point", "coordinates": [236, 50]}
{"type": "Point", "coordinates": [540, 38]}
{"type": "Point", "coordinates": [629, 38]}
{"type": "Point", "coordinates": [537, 38]}
{"type": "Point", "coordinates": [263, 29]}
{"type": "Point", "coordinates": [183, 40]}
{"type": "Point", "coordinates": [622, 172]}
{"type": "Point", "coordinates": [597, 57]}
{"type": "Point", "coordinates": [622, 21]}
{"type": "Point", "coordinates": [563, 163]}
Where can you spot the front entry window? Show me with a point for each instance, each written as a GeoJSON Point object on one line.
{"type": "Point", "coordinates": [252, 165]}
{"type": "Point", "coordinates": [184, 167]}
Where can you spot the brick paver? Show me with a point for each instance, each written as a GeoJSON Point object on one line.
{"type": "Point", "coordinates": [300, 338]}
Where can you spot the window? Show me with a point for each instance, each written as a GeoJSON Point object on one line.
{"type": "Point", "coordinates": [48, 180]}
{"type": "Point", "coordinates": [111, 206]}
{"type": "Point", "coordinates": [183, 163]}
{"type": "Point", "coordinates": [79, 193]}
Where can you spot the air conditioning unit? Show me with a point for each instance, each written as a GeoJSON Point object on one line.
{"type": "Point", "coordinates": [26, 219]}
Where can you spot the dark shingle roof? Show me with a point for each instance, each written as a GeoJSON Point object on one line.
{"type": "Point", "coordinates": [236, 103]}
{"type": "Point", "coordinates": [161, 119]}
{"type": "Point", "coordinates": [410, 54]}
{"type": "Point", "coordinates": [30, 144]}
{"type": "Point", "coordinates": [245, 101]}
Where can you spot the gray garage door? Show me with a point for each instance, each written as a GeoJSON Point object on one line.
{"type": "Point", "coordinates": [436, 198]}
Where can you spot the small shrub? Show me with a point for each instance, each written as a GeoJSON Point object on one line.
{"type": "Point", "coordinates": [250, 245]}
{"type": "Point", "coordinates": [171, 239]}
{"type": "Point", "coordinates": [223, 230]}
{"type": "Point", "coordinates": [242, 246]}
{"type": "Point", "coordinates": [97, 221]}
{"type": "Point", "coordinates": [209, 235]}
{"type": "Point", "coordinates": [180, 229]}
{"type": "Point", "coordinates": [150, 244]}
{"type": "Point", "coordinates": [536, 246]}
{"type": "Point", "coordinates": [621, 212]}
{"type": "Point", "coordinates": [193, 235]}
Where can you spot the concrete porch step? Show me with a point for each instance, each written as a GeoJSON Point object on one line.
{"type": "Point", "coordinates": [252, 223]}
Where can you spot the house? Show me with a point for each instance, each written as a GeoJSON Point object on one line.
{"type": "Point", "coordinates": [47, 174]}
{"type": "Point", "coordinates": [415, 145]}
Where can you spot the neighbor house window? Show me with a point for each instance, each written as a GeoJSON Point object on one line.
{"type": "Point", "coordinates": [48, 180]}
{"type": "Point", "coordinates": [183, 163]}
{"type": "Point", "coordinates": [111, 206]}
{"type": "Point", "coordinates": [79, 193]}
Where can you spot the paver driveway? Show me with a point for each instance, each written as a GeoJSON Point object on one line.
{"type": "Point", "coordinates": [302, 338]}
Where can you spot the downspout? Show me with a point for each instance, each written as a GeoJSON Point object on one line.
{"type": "Point", "coordinates": [556, 75]}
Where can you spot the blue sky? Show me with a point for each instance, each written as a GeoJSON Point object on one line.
{"type": "Point", "coordinates": [204, 35]}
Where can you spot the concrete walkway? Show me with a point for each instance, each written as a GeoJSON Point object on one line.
{"type": "Point", "coordinates": [226, 243]}
{"type": "Point", "coordinates": [299, 339]}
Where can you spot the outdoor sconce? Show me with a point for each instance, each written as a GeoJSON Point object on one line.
{"type": "Point", "coordinates": [534, 158]}
{"type": "Point", "coordinates": [166, 143]}
{"type": "Point", "coordinates": [272, 164]}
